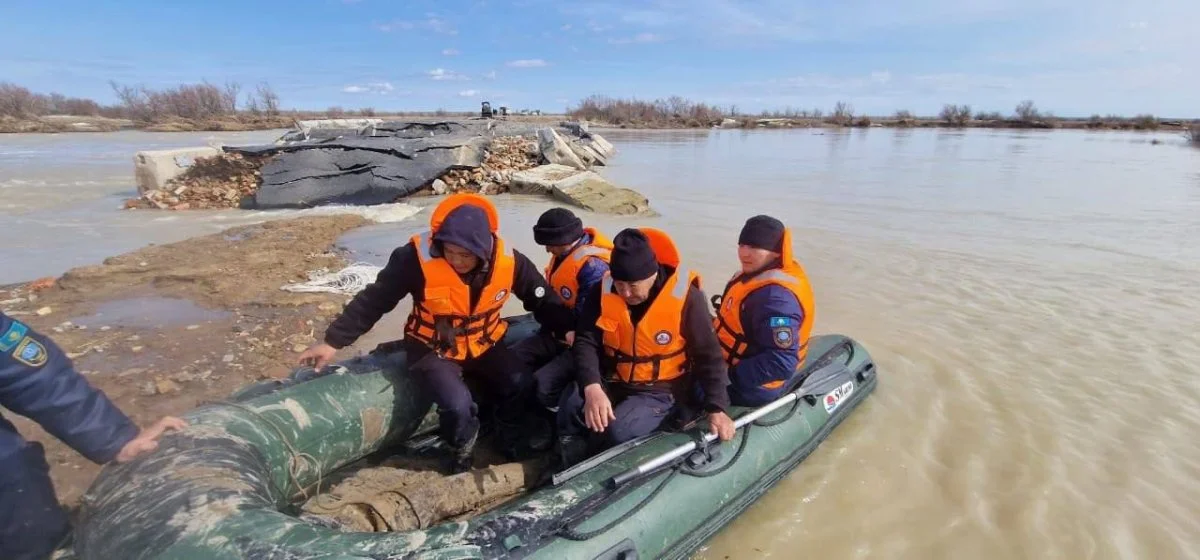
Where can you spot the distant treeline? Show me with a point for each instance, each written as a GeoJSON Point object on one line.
{"type": "Point", "coordinates": [680, 112]}
{"type": "Point", "coordinates": [195, 102]}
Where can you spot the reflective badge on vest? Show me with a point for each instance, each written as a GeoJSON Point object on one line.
{"type": "Point", "coordinates": [500, 295]}
{"type": "Point", "coordinates": [565, 292]}
{"type": "Point", "coordinates": [31, 353]}
{"type": "Point", "coordinates": [783, 337]}
{"type": "Point", "coordinates": [16, 331]}
{"type": "Point", "coordinates": [663, 338]}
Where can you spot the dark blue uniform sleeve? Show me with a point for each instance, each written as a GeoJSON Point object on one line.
{"type": "Point", "coordinates": [589, 276]}
{"type": "Point", "coordinates": [771, 318]}
{"type": "Point", "coordinates": [39, 382]}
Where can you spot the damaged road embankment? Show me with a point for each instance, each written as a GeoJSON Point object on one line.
{"type": "Point", "coordinates": [375, 164]}
{"type": "Point", "coordinates": [168, 327]}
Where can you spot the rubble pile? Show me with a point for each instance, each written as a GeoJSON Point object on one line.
{"type": "Point", "coordinates": [506, 155]}
{"type": "Point", "coordinates": [386, 162]}
{"type": "Point", "coordinates": [211, 182]}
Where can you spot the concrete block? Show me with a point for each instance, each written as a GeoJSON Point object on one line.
{"type": "Point", "coordinates": [153, 168]}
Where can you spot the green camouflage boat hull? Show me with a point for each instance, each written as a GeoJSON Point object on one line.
{"type": "Point", "coordinates": [228, 486]}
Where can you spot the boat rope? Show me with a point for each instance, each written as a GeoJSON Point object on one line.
{"type": "Point", "coordinates": [347, 281]}
{"type": "Point", "coordinates": [293, 460]}
{"type": "Point", "coordinates": [568, 530]}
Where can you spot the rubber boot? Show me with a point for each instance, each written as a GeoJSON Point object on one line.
{"type": "Point", "coordinates": [542, 436]}
{"type": "Point", "coordinates": [462, 458]}
{"type": "Point", "coordinates": [570, 450]}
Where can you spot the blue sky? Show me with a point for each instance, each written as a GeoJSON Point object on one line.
{"type": "Point", "coordinates": [1073, 58]}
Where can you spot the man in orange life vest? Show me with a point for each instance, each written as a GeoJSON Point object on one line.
{"type": "Point", "coordinates": [578, 262]}
{"type": "Point", "coordinates": [647, 328]}
{"type": "Point", "coordinates": [460, 274]}
{"type": "Point", "coordinates": [765, 315]}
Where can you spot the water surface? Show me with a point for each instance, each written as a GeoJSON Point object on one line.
{"type": "Point", "coordinates": [1031, 299]}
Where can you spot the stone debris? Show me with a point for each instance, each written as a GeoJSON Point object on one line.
{"type": "Point", "coordinates": [219, 181]}
{"type": "Point", "coordinates": [378, 162]}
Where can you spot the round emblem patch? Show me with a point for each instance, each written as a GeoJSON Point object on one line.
{"type": "Point", "coordinates": [783, 337]}
{"type": "Point", "coordinates": [539, 291]}
{"type": "Point", "coordinates": [500, 295]}
{"type": "Point", "coordinates": [565, 292]}
{"type": "Point", "coordinates": [663, 337]}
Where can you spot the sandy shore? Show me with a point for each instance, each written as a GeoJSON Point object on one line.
{"type": "Point", "coordinates": [166, 328]}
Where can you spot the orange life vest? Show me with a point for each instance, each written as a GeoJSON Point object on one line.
{"type": "Point", "coordinates": [447, 298]}
{"type": "Point", "coordinates": [728, 323]}
{"type": "Point", "coordinates": [565, 278]}
{"type": "Point", "coordinates": [654, 349]}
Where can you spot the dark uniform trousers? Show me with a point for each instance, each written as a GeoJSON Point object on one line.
{"type": "Point", "coordinates": [552, 364]}
{"type": "Point", "coordinates": [638, 412]}
{"type": "Point", "coordinates": [497, 370]}
{"type": "Point", "coordinates": [31, 521]}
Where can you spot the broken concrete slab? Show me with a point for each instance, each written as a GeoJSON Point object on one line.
{"type": "Point", "coordinates": [153, 168]}
{"type": "Point", "coordinates": [556, 150]}
{"type": "Point", "coordinates": [541, 179]}
{"type": "Point", "coordinates": [585, 189]}
{"type": "Point", "coordinates": [590, 191]}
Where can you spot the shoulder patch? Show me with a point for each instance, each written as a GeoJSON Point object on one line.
{"type": "Point", "coordinates": [31, 353]}
{"type": "Point", "coordinates": [13, 336]}
{"type": "Point", "coordinates": [781, 322]}
{"type": "Point", "coordinates": [783, 337]}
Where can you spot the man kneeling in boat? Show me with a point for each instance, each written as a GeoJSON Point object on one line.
{"type": "Point", "coordinates": [460, 274]}
{"type": "Point", "coordinates": [648, 325]}
{"type": "Point", "coordinates": [578, 262]}
{"type": "Point", "coordinates": [765, 315]}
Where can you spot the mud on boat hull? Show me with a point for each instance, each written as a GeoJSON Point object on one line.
{"type": "Point", "coordinates": [227, 486]}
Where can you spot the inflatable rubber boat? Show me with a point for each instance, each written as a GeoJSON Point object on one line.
{"type": "Point", "coordinates": [233, 484]}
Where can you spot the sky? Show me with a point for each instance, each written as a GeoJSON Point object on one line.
{"type": "Point", "coordinates": [1072, 58]}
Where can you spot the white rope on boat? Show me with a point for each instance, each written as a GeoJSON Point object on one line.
{"type": "Point", "coordinates": [349, 280]}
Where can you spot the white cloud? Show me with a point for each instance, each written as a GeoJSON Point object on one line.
{"type": "Point", "coordinates": [441, 75]}
{"type": "Point", "coordinates": [468, 93]}
{"type": "Point", "coordinates": [430, 23]}
{"type": "Point", "coordinates": [566, 27]}
{"type": "Point", "coordinates": [527, 63]}
{"type": "Point", "coordinates": [640, 38]}
{"type": "Point", "coordinates": [490, 75]}
{"type": "Point", "coordinates": [382, 88]}
{"type": "Point", "coordinates": [450, 52]}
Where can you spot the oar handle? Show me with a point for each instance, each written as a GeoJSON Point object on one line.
{"type": "Point", "coordinates": [682, 451]}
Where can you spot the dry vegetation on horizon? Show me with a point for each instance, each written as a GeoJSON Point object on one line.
{"type": "Point", "coordinates": [677, 112]}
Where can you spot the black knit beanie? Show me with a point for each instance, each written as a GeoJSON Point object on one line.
{"type": "Point", "coordinates": [632, 258]}
{"type": "Point", "coordinates": [557, 226]}
{"type": "Point", "coordinates": [763, 232]}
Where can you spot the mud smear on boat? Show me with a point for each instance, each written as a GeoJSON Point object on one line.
{"type": "Point", "coordinates": [394, 498]}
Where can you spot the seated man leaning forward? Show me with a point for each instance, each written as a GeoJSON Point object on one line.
{"type": "Point", "coordinates": [644, 338]}
{"type": "Point", "coordinates": [765, 315]}
{"type": "Point", "coordinates": [578, 262]}
{"type": "Point", "coordinates": [460, 274]}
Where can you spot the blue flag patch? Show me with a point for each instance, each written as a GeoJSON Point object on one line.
{"type": "Point", "coordinates": [781, 322]}
{"type": "Point", "coordinates": [31, 353]}
{"type": "Point", "coordinates": [9, 340]}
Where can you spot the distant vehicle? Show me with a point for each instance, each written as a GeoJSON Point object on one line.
{"type": "Point", "coordinates": [503, 111]}
{"type": "Point", "coordinates": [486, 112]}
